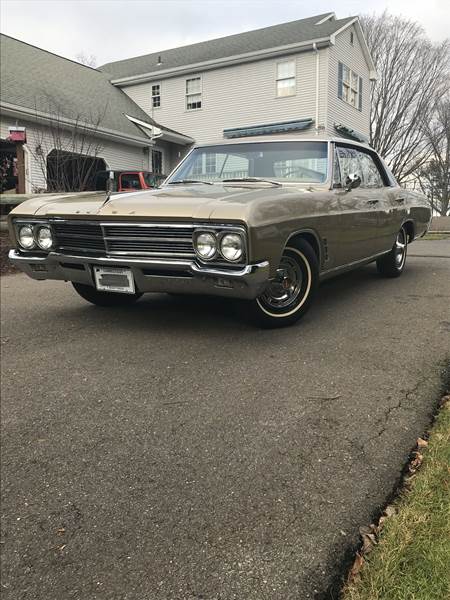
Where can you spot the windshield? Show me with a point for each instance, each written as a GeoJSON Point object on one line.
{"type": "Point", "coordinates": [304, 162]}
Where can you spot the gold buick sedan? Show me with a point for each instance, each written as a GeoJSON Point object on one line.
{"type": "Point", "coordinates": [262, 221]}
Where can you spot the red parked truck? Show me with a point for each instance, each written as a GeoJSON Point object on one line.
{"type": "Point", "coordinates": [128, 181]}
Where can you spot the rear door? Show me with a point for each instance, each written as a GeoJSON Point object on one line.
{"type": "Point", "coordinates": [361, 207]}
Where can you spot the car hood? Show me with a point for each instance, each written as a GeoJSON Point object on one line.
{"type": "Point", "coordinates": [190, 202]}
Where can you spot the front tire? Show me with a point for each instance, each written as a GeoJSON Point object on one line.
{"type": "Point", "coordinates": [108, 299]}
{"type": "Point", "coordinates": [392, 264]}
{"type": "Point", "coordinates": [288, 297]}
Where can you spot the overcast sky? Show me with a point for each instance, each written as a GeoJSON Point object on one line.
{"type": "Point", "coordinates": [116, 29]}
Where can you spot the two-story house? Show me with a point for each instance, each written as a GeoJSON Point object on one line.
{"type": "Point", "coordinates": [307, 77]}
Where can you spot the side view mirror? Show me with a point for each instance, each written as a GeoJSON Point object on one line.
{"type": "Point", "coordinates": [352, 181]}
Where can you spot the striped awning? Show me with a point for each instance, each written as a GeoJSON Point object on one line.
{"type": "Point", "coordinates": [268, 128]}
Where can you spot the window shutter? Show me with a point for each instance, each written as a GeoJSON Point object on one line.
{"type": "Point", "coordinates": [360, 94]}
{"type": "Point", "coordinates": [340, 73]}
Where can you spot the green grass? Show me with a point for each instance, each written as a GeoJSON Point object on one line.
{"type": "Point", "coordinates": [436, 236]}
{"type": "Point", "coordinates": [412, 558]}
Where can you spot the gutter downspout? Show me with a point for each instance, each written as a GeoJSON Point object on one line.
{"type": "Point", "coordinates": [316, 50]}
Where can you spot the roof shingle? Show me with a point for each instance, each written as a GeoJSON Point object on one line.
{"type": "Point", "coordinates": [41, 81]}
{"type": "Point", "coordinates": [293, 32]}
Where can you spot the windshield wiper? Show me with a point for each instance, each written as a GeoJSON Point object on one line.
{"type": "Point", "coordinates": [189, 181]}
{"type": "Point", "coordinates": [251, 180]}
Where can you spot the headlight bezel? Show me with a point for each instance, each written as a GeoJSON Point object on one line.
{"type": "Point", "coordinates": [219, 234]}
{"type": "Point", "coordinates": [35, 227]}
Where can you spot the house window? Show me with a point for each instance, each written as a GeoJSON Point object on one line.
{"type": "Point", "coordinates": [193, 93]}
{"type": "Point", "coordinates": [351, 38]}
{"type": "Point", "coordinates": [156, 161]}
{"type": "Point", "coordinates": [210, 163]}
{"type": "Point", "coordinates": [156, 95]}
{"type": "Point", "coordinates": [286, 78]}
{"type": "Point", "coordinates": [349, 86]}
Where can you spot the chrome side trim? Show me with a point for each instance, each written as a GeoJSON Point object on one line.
{"type": "Point", "coordinates": [355, 263]}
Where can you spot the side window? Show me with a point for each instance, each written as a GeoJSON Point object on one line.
{"type": "Point", "coordinates": [130, 181]}
{"type": "Point", "coordinates": [371, 177]}
{"type": "Point", "coordinates": [156, 95]}
{"type": "Point", "coordinates": [286, 78]}
{"type": "Point", "coordinates": [194, 93]}
{"type": "Point", "coordinates": [349, 162]}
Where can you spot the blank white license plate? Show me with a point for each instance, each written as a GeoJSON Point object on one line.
{"type": "Point", "coordinates": [114, 279]}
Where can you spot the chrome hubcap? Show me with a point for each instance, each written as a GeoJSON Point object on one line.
{"type": "Point", "coordinates": [285, 289]}
{"type": "Point", "coordinates": [400, 249]}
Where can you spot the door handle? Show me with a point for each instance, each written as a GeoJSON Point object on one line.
{"type": "Point", "coordinates": [400, 200]}
{"type": "Point", "coordinates": [374, 201]}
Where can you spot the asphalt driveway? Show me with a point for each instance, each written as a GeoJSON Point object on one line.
{"type": "Point", "coordinates": [172, 452]}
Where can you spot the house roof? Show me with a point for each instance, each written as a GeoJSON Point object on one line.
{"type": "Point", "coordinates": [40, 82]}
{"type": "Point", "coordinates": [294, 32]}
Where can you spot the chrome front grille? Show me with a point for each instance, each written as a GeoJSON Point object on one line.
{"type": "Point", "coordinates": [79, 237]}
{"type": "Point", "coordinates": [165, 240]}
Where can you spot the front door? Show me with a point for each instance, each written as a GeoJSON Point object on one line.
{"type": "Point", "coordinates": [362, 207]}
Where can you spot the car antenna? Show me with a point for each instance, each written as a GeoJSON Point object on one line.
{"type": "Point", "coordinates": [109, 187]}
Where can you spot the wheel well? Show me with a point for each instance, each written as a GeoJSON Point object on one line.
{"type": "Point", "coordinates": [409, 227]}
{"type": "Point", "coordinates": [308, 237]}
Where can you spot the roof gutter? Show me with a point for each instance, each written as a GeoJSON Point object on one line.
{"type": "Point", "coordinates": [317, 53]}
{"type": "Point", "coordinates": [223, 62]}
{"type": "Point", "coordinates": [38, 116]}
{"type": "Point", "coordinates": [157, 131]}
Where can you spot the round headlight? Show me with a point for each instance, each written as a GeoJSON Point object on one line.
{"type": "Point", "coordinates": [232, 246]}
{"type": "Point", "coordinates": [206, 245]}
{"type": "Point", "coordinates": [44, 238]}
{"type": "Point", "coordinates": [26, 239]}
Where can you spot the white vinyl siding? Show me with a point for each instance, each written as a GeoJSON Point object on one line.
{"type": "Point", "coordinates": [340, 111]}
{"type": "Point", "coordinates": [240, 96]}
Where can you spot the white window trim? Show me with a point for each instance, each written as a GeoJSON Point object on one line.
{"type": "Point", "coordinates": [186, 95]}
{"type": "Point", "coordinates": [277, 79]}
{"type": "Point", "coordinates": [350, 87]}
{"type": "Point", "coordinates": [151, 95]}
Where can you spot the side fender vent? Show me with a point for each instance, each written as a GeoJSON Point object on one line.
{"type": "Point", "coordinates": [325, 249]}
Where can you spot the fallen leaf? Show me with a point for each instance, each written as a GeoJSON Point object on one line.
{"type": "Point", "coordinates": [356, 568]}
{"type": "Point", "coordinates": [416, 461]}
{"type": "Point", "coordinates": [421, 443]}
{"type": "Point", "coordinates": [369, 541]}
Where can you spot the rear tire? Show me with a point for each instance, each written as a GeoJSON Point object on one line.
{"type": "Point", "coordinates": [288, 297]}
{"type": "Point", "coordinates": [392, 264]}
{"type": "Point", "coordinates": [109, 299]}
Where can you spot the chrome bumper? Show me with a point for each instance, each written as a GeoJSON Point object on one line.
{"type": "Point", "coordinates": [151, 275]}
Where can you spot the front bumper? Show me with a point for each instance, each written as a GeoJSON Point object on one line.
{"type": "Point", "coordinates": [151, 275]}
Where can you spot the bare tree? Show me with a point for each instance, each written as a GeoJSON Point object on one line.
{"type": "Point", "coordinates": [67, 148]}
{"type": "Point", "coordinates": [412, 73]}
{"type": "Point", "coordinates": [434, 176]}
{"type": "Point", "coordinates": [90, 60]}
